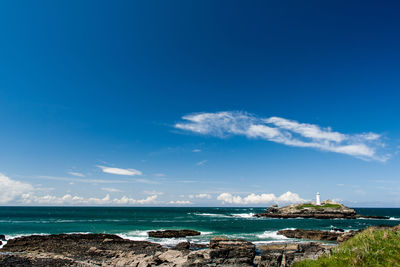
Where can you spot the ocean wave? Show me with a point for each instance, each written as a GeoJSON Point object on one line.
{"type": "Point", "coordinates": [271, 235]}
{"type": "Point", "coordinates": [244, 215]}
{"type": "Point", "coordinates": [142, 235]}
{"type": "Point", "coordinates": [394, 219]}
{"type": "Point", "coordinates": [213, 215]}
{"type": "Point", "coordinates": [61, 221]}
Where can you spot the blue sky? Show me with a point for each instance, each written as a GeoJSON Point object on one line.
{"type": "Point", "coordinates": [204, 103]}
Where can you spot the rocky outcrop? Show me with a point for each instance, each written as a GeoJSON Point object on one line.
{"type": "Point", "coordinates": [2, 237]}
{"type": "Point", "coordinates": [317, 234]}
{"type": "Point", "coordinates": [328, 210]}
{"type": "Point", "coordinates": [173, 233]}
{"type": "Point", "coordinates": [285, 255]}
{"type": "Point", "coordinates": [182, 246]}
{"type": "Point", "coordinates": [111, 250]}
{"type": "Point", "coordinates": [225, 251]}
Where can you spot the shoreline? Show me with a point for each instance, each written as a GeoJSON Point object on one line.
{"type": "Point", "coordinates": [107, 249]}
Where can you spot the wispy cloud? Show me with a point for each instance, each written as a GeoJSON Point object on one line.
{"type": "Point", "coordinates": [152, 192]}
{"type": "Point", "coordinates": [111, 190]}
{"type": "Point", "coordinates": [288, 197]}
{"type": "Point", "coordinates": [119, 171]}
{"type": "Point", "coordinates": [196, 150]}
{"type": "Point", "coordinates": [288, 132]}
{"type": "Point", "coordinates": [201, 162]}
{"type": "Point", "coordinates": [78, 174]}
{"type": "Point", "coordinates": [81, 180]}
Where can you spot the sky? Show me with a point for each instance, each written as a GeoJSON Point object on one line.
{"type": "Point", "coordinates": [199, 103]}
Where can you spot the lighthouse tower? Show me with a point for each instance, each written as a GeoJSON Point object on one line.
{"type": "Point", "coordinates": [318, 199]}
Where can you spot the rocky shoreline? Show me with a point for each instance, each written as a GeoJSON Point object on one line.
{"type": "Point", "coordinates": [338, 236]}
{"type": "Point", "coordinates": [112, 250]}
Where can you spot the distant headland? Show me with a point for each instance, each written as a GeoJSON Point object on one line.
{"type": "Point", "coordinates": [327, 209]}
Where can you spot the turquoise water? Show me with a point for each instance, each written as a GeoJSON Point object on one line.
{"type": "Point", "coordinates": [133, 223]}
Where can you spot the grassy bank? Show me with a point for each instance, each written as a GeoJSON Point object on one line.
{"type": "Point", "coordinates": [309, 205]}
{"type": "Point", "coordinates": [372, 247]}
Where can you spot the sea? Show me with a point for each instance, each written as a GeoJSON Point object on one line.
{"type": "Point", "coordinates": [134, 222]}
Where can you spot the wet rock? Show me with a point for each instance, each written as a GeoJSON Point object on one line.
{"type": "Point", "coordinates": [233, 251]}
{"type": "Point", "coordinates": [318, 235]}
{"type": "Point", "coordinates": [79, 244]}
{"type": "Point", "coordinates": [182, 246]}
{"type": "Point", "coordinates": [198, 246]}
{"type": "Point", "coordinates": [2, 237]}
{"type": "Point", "coordinates": [310, 234]}
{"type": "Point", "coordinates": [173, 233]}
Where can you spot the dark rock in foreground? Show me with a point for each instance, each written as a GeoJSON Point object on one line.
{"type": "Point", "coordinates": [112, 250]}
{"type": "Point", "coordinates": [231, 252]}
{"type": "Point", "coordinates": [328, 210]}
{"type": "Point", "coordinates": [317, 234]}
{"type": "Point", "coordinates": [182, 246]}
{"type": "Point", "coordinates": [287, 254]}
{"type": "Point", "coordinates": [173, 233]}
{"type": "Point", "coordinates": [2, 237]}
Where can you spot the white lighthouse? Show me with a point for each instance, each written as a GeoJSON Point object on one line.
{"type": "Point", "coordinates": [318, 199]}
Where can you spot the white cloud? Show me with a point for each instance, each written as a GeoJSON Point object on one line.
{"type": "Point", "coordinates": [196, 150]}
{"type": "Point", "coordinates": [126, 200]}
{"type": "Point", "coordinates": [159, 174]}
{"type": "Point", "coordinates": [207, 196]}
{"type": "Point", "coordinates": [287, 197]}
{"type": "Point", "coordinates": [180, 202]}
{"type": "Point", "coordinates": [120, 171]}
{"type": "Point", "coordinates": [284, 131]}
{"type": "Point", "coordinates": [68, 199]}
{"type": "Point", "coordinates": [152, 192]}
{"type": "Point", "coordinates": [19, 192]}
{"type": "Point", "coordinates": [201, 162]}
{"type": "Point", "coordinates": [112, 190]}
{"type": "Point", "coordinates": [78, 174]}
{"type": "Point", "coordinates": [11, 189]}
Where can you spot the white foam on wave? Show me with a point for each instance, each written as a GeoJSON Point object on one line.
{"type": "Point", "coordinates": [206, 233]}
{"type": "Point", "coordinates": [142, 235]}
{"type": "Point", "coordinates": [244, 215]}
{"type": "Point", "coordinates": [137, 235]}
{"type": "Point", "coordinates": [213, 215]}
{"type": "Point", "coordinates": [271, 235]}
{"type": "Point", "coordinates": [394, 219]}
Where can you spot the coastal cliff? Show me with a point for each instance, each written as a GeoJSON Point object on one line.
{"type": "Point", "coordinates": [327, 210]}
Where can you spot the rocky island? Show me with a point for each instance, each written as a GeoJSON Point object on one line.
{"type": "Point", "coordinates": [325, 210]}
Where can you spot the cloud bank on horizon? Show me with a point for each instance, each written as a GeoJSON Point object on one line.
{"type": "Point", "coordinates": [16, 192]}
{"type": "Point", "coordinates": [365, 146]}
{"type": "Point", "coordinates": [288, 197]}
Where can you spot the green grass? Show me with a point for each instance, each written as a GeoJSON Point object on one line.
{"type": "Point", "coordinates": [372, 247]}
{"type": "Point", "coordinates": [309, 205]}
